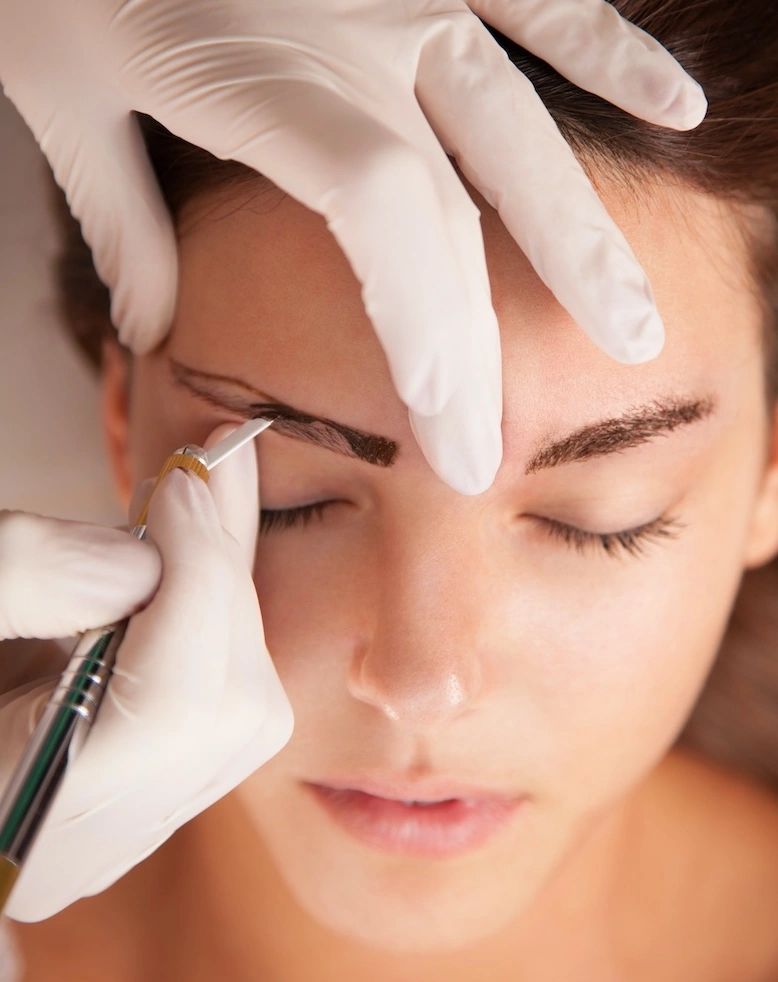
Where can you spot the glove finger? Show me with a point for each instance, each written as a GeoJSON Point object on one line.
{"type": "Point", "coordinates": [255, 717]}
{"type": "Point", "coordinates": [465, 421]}
{"type": "Point", "coordinates": [361, 175]}
{"type": "Point", "coordinates": [172, 660]}
{"type": "Point", "coordinates": [520, 162]}
{"type": "Point", "coordinates": [463, 441]}
{"type": "Point", "coordinates": [600, 51]}
{"type": "Point", "coordinates": [59, 578]}
{"type": "Point", "coordinates": [199, 656]}
{"type": "Point", "coordinates": [112, 190]}
{"type": "Point", "coordinates": [252, 684]}
{"type": "Point", "coordinates": [234, 486]}
{"type": "Point", "coordinates": [175, 662]}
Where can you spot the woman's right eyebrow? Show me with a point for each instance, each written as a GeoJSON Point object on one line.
{"type": "Point", "coordinates": [239, 397]}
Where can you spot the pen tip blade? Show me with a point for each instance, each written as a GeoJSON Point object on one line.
{"type": "Point", "coordinates": [247, 431]}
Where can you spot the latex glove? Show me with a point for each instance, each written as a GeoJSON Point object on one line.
{"type": "Point", "coordinates": [194, 705]}
{"type": "Point", "coordinates": [350, 106]}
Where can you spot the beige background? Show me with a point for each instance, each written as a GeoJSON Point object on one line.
{"type": "Point", "coordinates": [52, 459]}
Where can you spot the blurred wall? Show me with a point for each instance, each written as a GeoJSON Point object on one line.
{"type": "Point", "coordinates": [52, 456]}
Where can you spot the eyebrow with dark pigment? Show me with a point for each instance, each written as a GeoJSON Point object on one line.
{"type": "Point", "coordinates": [319, 430]}
{"type": "Point", "coordinates": [608, 436]}
{"type": "Point", "coordinates": [639, 425]}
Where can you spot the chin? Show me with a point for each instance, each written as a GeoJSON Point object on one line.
{"type": "Point", "coordinates": [408, 921]}
{"type": "Point", "coordinates": [401, 903]}
{"type": "Point", "coordinates": [404, 904]}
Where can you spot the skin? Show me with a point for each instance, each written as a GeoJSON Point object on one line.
{"type": "Point", "coordinates": [573, 672]}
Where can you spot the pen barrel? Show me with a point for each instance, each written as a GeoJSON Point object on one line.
{"type": "Point", "coordinates": [58, 736]}
{"type": "Point", "coordinates": [83, 683]}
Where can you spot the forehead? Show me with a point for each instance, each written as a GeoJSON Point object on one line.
{"type": "Point", "coordinates": [266, 294]}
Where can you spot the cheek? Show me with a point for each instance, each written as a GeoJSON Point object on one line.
{"type": "Point", "coordinates": [613, 680]}
{"type": "Point", "coordinates": [316, 594]}
{"type": "Point", "coordinates": [612, 669]}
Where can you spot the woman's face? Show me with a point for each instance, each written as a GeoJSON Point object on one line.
{"type": "Point", "coordinates": [416, 628]}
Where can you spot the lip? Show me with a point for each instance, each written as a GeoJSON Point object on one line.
{"type": "Point", "coordinates": [466, 821]}
{"type": "Point", "coordinates": [420, 789]}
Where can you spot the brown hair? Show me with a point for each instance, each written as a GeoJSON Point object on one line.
{"type": "Point", "coordinates": [732, 50]}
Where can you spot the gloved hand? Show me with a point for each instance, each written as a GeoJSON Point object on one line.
{"type": "Point", "coordinates": [194, 705]}
{"type": "Point", "coordinates": [350, 107]}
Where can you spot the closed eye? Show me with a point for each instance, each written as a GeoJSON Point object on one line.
{"type": "Point", "coordinates": [284, 518]}
{"type": "Point", "coordinates": [627, 541]}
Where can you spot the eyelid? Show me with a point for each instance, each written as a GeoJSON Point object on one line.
{"type": "Point", "coordinates": [270, 518]}
{"type": "Point", "coordinates": [631, 540]}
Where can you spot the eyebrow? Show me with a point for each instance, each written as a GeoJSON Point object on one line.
{"type": "Point", "coordinates": [619, 433]}
{"type": "Point", "coordinates": [616, 434]}
{"type": "Point", "coordinates": [238, 396]}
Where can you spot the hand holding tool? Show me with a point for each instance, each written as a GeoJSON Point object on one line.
{"type": "Point", "coordinates": [190, 708]}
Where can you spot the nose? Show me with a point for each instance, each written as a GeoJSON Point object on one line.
{"type": "Point", "coordinates": [422, 660]}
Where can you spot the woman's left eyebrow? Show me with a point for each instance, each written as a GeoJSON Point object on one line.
{"type": "Point", "coordinates": [635, 426]}
{"type": "Point", "coordinates": [220, 390]}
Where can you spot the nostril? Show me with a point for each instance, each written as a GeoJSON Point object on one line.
{"type": "Point", "coordinates": [411, 692]}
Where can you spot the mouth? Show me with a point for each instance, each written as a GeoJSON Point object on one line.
{"type": "Point", "coordinates": [422, 818]}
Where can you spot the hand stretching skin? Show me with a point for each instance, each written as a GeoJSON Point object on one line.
{"type": "Point", "coordinates": [351, 106]}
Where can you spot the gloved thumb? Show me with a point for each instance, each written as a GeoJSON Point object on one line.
{"type": "Point", "coordinates": [234, 486]}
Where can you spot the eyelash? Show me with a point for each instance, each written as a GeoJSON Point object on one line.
{"type": "Point", "coordinates": [628, 541]}
{"type": "Point", "coordinates": [631, 542]}
{"type": "Point", "coordinates": [284, 518]}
